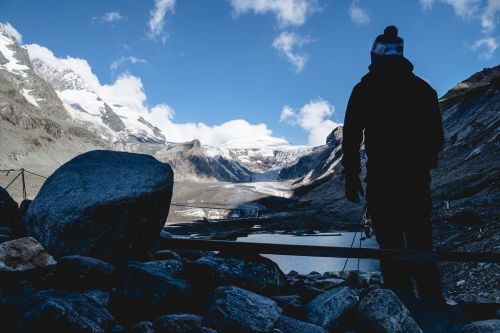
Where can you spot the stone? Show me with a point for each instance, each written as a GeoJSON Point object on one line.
{"type": "Point", "coordinates": [61, 311]}
{"type": "Point", "coordinates": [143, 327]}
{"type": "Point", "coordinates": [255, 273]}
{"type": "Point", "coordinates": [23, 254]}
{"type": "Point", "coordinates": [238, 310]}
{"type": "Point", "coordinates": [9, 210]}
{"type": "Point", "coordinates": [291, 305]}
{"type": "Point", "coordinates": [484, 326]}
{"type": "Point", "coordinates": [146, 292]}
{"type": "Point", "coordinates": [166, 254]}
{"type": "Point", "coordinates": [171, 265]}
{"type": "Point", "coordinates": [84, 273]}
{"type": "Point", "coordinates": [466, 218]}
{"type": "Point", "coordinates": [329, 283]}
{"type": "Point", "coordinates": [102, 204]}
{"type": "Point", "coordinates": [290, 325]}
{"type": "Point", "coordinates": [381, 311]}
{"type": "Point", "coordinates": [332, 310]}
{"type": "Point", "coordinates": [181, 323]}
{"type": "Point", "coordinates": [99, 296]}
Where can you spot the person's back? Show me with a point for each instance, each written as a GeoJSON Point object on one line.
{"type": "Point", "coordinates": [397, 114]}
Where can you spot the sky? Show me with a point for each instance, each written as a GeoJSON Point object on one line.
{"type": "Point", "coordinates": [218, 70]}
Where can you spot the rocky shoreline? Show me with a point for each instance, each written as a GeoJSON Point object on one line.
{"type": "Point", "coordinates": [86, 256]}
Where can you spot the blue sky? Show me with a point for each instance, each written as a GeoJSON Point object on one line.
{"type": "Point", "coordinates": [213, 61]}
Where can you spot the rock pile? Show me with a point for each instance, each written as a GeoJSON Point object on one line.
{"type": "Point", "coordinates": [159, 290]}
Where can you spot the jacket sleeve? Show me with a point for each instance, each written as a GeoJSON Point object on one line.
{"type": "Point", "coordinates": [436, 130]}
{"type": "Point", "coordinates": [353, 133]}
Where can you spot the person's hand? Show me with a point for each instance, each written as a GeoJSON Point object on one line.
{"type": "Point", "coordinates": [353, 188]}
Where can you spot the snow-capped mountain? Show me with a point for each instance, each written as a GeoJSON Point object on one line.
{"type": "Point", "coordinates": [38, 93]}
{"type": "Point", "coordinates": [114, 123]}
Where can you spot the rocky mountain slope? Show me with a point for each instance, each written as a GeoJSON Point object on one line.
{"type": "Point", "coordinates": [469, 165]}
{"type": "Point", "coordinates": [35, 128]}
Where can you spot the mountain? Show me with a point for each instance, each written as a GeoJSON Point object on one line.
{"type": "Point", "coordinates": [49, 114]}
{"type": "Point", "coordinates": [113, 123]}
{"type": "Point", "coordinates": [468, 172]}
{"type": "Point", "coordinates": [36, 129]}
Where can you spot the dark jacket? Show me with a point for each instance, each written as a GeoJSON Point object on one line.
{"type": "Point", "coordinates": [399, 115]}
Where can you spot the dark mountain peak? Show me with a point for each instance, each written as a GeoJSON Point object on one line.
{"type": "Point", "coordinates": [335, 137]}
{"type": "Point", "coordinates": [478, 79]}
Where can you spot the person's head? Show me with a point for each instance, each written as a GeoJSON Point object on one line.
{"type": "Point", "coordinates": [387, 47]}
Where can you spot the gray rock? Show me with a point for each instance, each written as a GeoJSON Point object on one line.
{"type": "Point", "coordinates": [9, 211]}
{"type": "Point", "coordinates": [143, 327]}
{"type": "Point", "coordinates": [102, 204]}
{"type": "Point", "coordinates": [254, 273]}
{"type": "Point", "coordinates": [332, 310]}
{"type": "Point", "coordinates": [485, 326]}
{"type": "Point", "coordinates": [171, 265]}
{"type": "Point", "coordinates": [84, 273]}
{"type": "Point", "coordinates": [166, 254]}
{"type": "Point", "coordinates": [111, 119]}
{"type": "Point", "coordinates": [289, 325]}
{"type": "Point", "coordinates": [99, 296]}
{"type": "Point", "coordinates": [181, 323]}
{"type": "Point", "coordinates": [329, 283]}
{"type": "Point", "coordinates": [23, 254]}
{"type": "Point", "coordinates": [59, 311]}
{"type": "Point", "coordinates": [239, 310]}
{"type": "Point", "coordinates": [381, 311]}
{"type": "Point", "coordinates": [291, 305]}
{"type": "Point", "coordinates": [146, 292]}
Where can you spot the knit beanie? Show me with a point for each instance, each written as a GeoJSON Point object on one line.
{"type": "Point", "coordinates": [387, 47]}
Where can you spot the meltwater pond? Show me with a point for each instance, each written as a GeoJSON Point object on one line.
{"type": "Point", "coordinates": [305, 265]}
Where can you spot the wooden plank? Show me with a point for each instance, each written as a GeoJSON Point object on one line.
{"type": "Point", "coordinates": [327, 251]}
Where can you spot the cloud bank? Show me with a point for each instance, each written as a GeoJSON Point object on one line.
{"type": "Point", "coordinates": [358, 14]}
{"type": "Point", "coordinates": [313, 117]}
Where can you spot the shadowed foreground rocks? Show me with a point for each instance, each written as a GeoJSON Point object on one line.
{"type": "Point", "coordinates": [111, 276]}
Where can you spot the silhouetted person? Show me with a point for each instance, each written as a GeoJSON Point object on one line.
{"type": "Point", "coordinates": [397, 114]}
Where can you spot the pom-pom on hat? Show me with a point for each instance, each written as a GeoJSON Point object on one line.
{"type": "Point", "coordinates": [388, 46]}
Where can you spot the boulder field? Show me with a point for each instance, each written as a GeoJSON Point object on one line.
{"type": "Point", "coordinates": [86, 259]}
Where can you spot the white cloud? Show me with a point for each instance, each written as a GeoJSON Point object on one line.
{"type": "Point", "coordinates": [157, 18]}
{"type": "Point", "coordinates": [486, 46]}
{"type": "Point", "coordinates": [128, 90]}
{"type": "Point", "coordinates": [486, 12]}
{"type": "Point", "coordinates": [489, 18]}
{"type": "Point", "coordinates": [358, 14]}
{"type": "Point", "coordinates": [287, 12]}
{"type": "Point", "coordinates": [463, 8]}
{"type": "Point", "coordinates": [123, 60]}
{"type": "Point", "coordinates": [313, 117]}
{"type": "Point", "coordinates": [162, 116]}
{"type": "Point", "coordinates": [112, 17]}
{"type": "Point", "coordinates": [290, 45]}
{"type": "Point", "coordinates": [287, 115]}
{"type": "Point", "coordinates": [13, 32]}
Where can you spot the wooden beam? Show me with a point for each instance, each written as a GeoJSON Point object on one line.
{"type": "Point", "coordinates": [328, 251]}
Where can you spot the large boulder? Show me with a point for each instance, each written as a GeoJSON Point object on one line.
{"type": "Point", "coordinates": [239, 310]}
{"type": "Point", "coordinates": [9, 210]}
{"type": "Point", "coordinates": [146, 292]}
{"type": "Point", "coordinates": [24, 254]}
{"type": "Point", "coordinates": [84, 273]}
{"type": "Point", "coordinates": [332, 310]}
{"type": "Point", "coordinates": [255, 273]}
{"type": "Point", "coordinates": [103, 204]}
{"type": "Point", "coordinates": [181, 323]}
{"type": "Point", "coordinates": [381, 311]}
{"type": "Point", "coordinates": [60, 311]}
{"type": "Point", "coordinates": [484, 326]}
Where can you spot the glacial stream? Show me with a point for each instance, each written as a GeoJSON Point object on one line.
{"type": "Point", "coordinates": [305, 265]}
